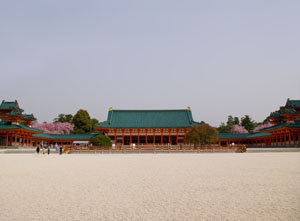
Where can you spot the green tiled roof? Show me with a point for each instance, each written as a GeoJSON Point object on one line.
{"type": "Point", "coordinates": [284, 124]}
{"type": "Point", "coordinates": [284, 110]}
{"type": "Point", "coordinates": [66, 136]}
{"type": "Point", "coordinates": [29, 128]}
{"type": "Point", "coordinates": [242, 136]}
{"type": "Point", "coordinates": [148, 119]}
{"type": "Point", "coordinates": [275, 114]}
{"type": "Point", "coordinates": [293, 103]}
{"type": "Point", "coordinates": [9, 126]}
{"type": "Point", "coordinates": [4, 126]}
{"type": "Point", "coordinates": [28, 116]}
{"type": "Point", "coordinates": [15, 112]}
{"type": "Point", "coordinates": [8, 105]}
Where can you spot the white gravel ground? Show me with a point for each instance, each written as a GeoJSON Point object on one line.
{"type": "Point", "coordinates": [218, 186]}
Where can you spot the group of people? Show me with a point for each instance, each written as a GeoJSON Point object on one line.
{"type": "Point", "coordinates": [41, 148]}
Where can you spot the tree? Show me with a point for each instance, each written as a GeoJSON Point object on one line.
{"type": "Point", "coordinates": [227, 128]}
{"type": "Point", "coordinates": [236, 121]}
{"type": "Point", "coordinates": [94, 122]}
{"type": "Point", "coordinates": [82, 122]}
{"type": "Point", "coordinates": [64, 118]}
{"type": "Point", "coordinates": [230, 121]}
{"type": "Point", "coordinates": [208, 134]}
{"type": "Point", "coordinates": [237, 129]}
{"type": "Point", "coordinates": [248, 123]}
{"type": "Point", "coordinates": [193, 136]}
{"type": "Point", "coordinates": [55, 128]}
{"type": "Point", "coordinates": [223, 128]}
{"type": "Point", "coordinates": [101, 140]}
{"type": "Point", "coordinates": [203, 134]}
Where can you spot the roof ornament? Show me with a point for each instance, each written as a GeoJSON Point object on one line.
{"type": "Point", "coordinates": [110, 109]}
{"type": "Point", "coordinates": [189, 108]}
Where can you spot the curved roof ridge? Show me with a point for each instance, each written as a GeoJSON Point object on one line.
{"type": "Point", "coordinates": [133, 110]}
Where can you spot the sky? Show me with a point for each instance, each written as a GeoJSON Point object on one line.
{"type": "Point", "coordinates": [218, 57]}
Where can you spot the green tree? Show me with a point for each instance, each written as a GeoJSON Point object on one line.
{"type": "Point", "coordinates": [236, 121]}
{"type": "Point", "coordinates": [223, 128]}
{"type": "Point", "coordinates": [248, 123]}
{"type": "Point", "coordinates": [64, 118]}
{"type": "Point", "coordinates": [230, 120]}
{"type": "Point", "coordinates": [227, 128]}
{"type": "Point", "coordinates": [203, 134]}
{"type": "Point", "coordinates": [101, 140]}
{"type": "Point", "coordinates": [94, 122]}
{"type": "Point", "coordinates": [82, 122]}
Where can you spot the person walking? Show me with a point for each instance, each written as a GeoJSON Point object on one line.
{"type": "Point", "coordinates": [38, 149]}
{"type": "Point", "coordinates": [60, 150]}
{"type": "Point", "coordinates": [48, 149]}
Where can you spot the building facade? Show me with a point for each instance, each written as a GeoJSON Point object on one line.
{"type": "Point", "coordinates": [285, 132]}
{"type": "Point", "coordinates": [148, 127]}
{"type": "Point", "coordinates": [144, 127]}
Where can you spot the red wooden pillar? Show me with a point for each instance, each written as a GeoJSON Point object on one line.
{"type": "Point", "coordinates": [177, 139]}
{"type": "Point", "coordinates": [294, 139]}
{"type": "Point", "coordinates": [15, 139]}
{"type": "Point", "coordinates": [146, 135]}
{"type": "Point", "coordinates": [161, 139]}
{"type": "Point", "coordinates": [153, 138]}
{"type": "Point", "coordinates": [281, 141]}
{"type": "Point", "coordinates": [6, 143]}
{"type": "Point", "coordinates": [290, 139]}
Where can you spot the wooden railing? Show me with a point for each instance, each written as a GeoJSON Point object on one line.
{"type": "Point", "coordinates": [155, 149]}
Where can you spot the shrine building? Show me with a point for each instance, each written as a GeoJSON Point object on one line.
{"type": "Point", "coordinates": [285, 132]}
{"type": "Point", "coordinates": [15, 127]}
{"type": "Point", "coordinates": [147, 126]}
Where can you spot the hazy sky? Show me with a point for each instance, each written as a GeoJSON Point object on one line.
{"type": "Point", "coordinates": [218, 57]}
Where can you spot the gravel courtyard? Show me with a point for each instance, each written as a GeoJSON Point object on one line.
{"type": "Point", "coordinates": [205, 186]}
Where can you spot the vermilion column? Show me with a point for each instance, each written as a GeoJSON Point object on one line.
{"type": "Point", "coordinates": [146, 135]}
{"type": "Point", "coordinates": [294, 139]}
{"type": "Point", "coordinates": [6, 138]}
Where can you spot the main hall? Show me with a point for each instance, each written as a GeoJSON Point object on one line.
{"type": "Point", "coordinates": [147, 126]}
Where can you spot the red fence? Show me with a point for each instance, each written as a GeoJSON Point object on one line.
{"type": "Point", "coordinates": [155, 149]}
